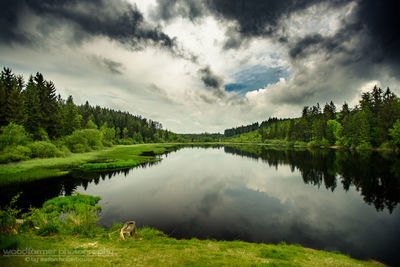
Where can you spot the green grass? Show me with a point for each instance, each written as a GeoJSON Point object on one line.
{"type": "Point", "coordinates": [110, 165]}
{"type": "Point", "coordinates": [117, 157]}
{"type": "Point", "coordinates": [151, 247]}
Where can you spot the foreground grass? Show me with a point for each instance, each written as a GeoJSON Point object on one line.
{"type": "Point", "coordinates": [151, 247]}
{"type": "Point", "coordinates": [117, 157]}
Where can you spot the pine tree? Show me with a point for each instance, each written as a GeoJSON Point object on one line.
{"type": "Point", "coordinates": [51, 110]}
{"type": "Point", "coordinates": [71, 117]}
{"type": "Point", "coordinates": [11, 100]}
{"type": "Point", "coordinates": [32, 108]}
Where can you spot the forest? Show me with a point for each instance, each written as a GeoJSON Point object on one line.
{"type": "Point", "coordinates": [36, 122]}
{"type": "Point", "coordinates": [373, 123]}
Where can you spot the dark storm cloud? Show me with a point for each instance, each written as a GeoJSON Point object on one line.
{"type": "Point", "coordinates": [212, 81]}
{"type": "Point", "coordinates": [170, 9]}
{"type": "Point", "coordinates": [252, 18]}
{"type": "Point", "coordinates": [111, 66]}
{"type": "Point", "coordinates": [374, 24]}
{"type": "Point", "coordinates": [314, 42]}
{"type": "Point", "coordinates": [381, 20]}
{"type": "Point", "coordinates": [209, 78]}
{"type": "Point", "coordinates": [259, 18]}
{"type": "Point", "coordinates": [117, 20]}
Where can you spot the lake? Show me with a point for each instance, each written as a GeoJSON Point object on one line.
{"type": "Point", "coordinates": [324, 199]}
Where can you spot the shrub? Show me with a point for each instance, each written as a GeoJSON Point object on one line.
{"type": "Point", "coordinates": [9, 238]}
{"type": "Point", "coordinates": [13, 153]}
{"type": "Point", "coordinates": [84, 140]}
{"type": "Point", "coordinates": [43, 149]}
{"type": "Point", "coordinates": [8, 217]}
{"type": "Point", "coordinates": [41, 134]}
{"type": "Point", "coordinates": [395, 132]}
{"type": "Point", "coordinates": [80, 148]}
{"type": "Point", "coordinates": [13, 135]}
{"type": "Point", "coordinates": [108, 134]}
{"type": "Point", "coordinates": [60, 144]}
{"type": "Point", "coordinates": [107, 143]}
{"type": "Point", "coordinates": [77, 142]}
{"type": "Point", "coordinates": [65, 151]}
{"type": "Point", "coordinates": [76, 214]}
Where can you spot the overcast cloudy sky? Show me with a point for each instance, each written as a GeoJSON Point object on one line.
{"type": "Point", "coordinates": [205, 65]}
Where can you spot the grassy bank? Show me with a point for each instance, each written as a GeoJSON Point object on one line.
{"type": "Point", "coordinates": [117, 157]}
{"type": "Point", "coordinates": [150, 247]}
{"type": "Point", "coordinates": [64, 231]}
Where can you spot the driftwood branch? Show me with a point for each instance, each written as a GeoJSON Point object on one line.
{"type": "Point", "coordinates": [129, 229]}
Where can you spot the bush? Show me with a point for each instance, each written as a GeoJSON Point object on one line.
{"type": "Point", "coordinates": [80, 148]}
{"type": "Point", "coordinates": [41, 134]}
{"type": "Point", "coordinates": [77, 142]}
{"type": "Point", "coordinates": [84, 140]}
{"type": "Point", "coordinates": [13, 135]}
{"type": "Point", "coordinates": [65, 151]}
{"type": "Point", "coordinates": [76, 214]}
{"type": "Point", "coordinates": [13, 153]}
{"type": "Point", "coordinates": [108, 134]}
{"type": "Point", "coordinates": [43, 149]}
{"type": "Point", "coordinates": [8, 217]}
{"type": "Point", "coordinates": [107, 143]}
{"type": "Point", "coordinates": [60, 144]}
{"type": "Point", "coordinates": [395, 132]}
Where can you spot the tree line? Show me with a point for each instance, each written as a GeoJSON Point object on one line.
{"type": "Point", "coordinates": [251, 127]}
{"type": "Point", "coordinates": [374, 122]}
{"type": "Point", "coordinates": [32, 112]}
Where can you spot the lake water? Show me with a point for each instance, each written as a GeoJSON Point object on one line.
{"type": "Point", "coordinates": [330, 200]}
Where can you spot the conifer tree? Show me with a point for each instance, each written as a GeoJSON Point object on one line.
{"type": "Point", "coordinates": [71, 117]}
{"type": "Point", "coordinates": [11, 100]}
{"type": "Point", "coordinates": [32, 107]}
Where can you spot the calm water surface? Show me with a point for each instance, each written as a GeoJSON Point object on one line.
{"type": "Point", "coordinates": [335, 201]}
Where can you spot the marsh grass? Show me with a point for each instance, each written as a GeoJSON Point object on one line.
{"type": "Point", "coordinates": [75, 214]}
{"type": "Point", "coordinates": [117, 157]}
{"type": "Point", "coordinates": [110, 165]}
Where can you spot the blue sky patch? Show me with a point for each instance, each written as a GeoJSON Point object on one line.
{"type": "Point", "coordinates": [254, 78]}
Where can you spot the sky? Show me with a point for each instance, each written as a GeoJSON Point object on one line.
{"type": "Point", "coordinates": [205, 65]}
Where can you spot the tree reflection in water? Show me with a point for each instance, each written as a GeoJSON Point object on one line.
{"type": "Point", "coordinates": [375, 175]}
